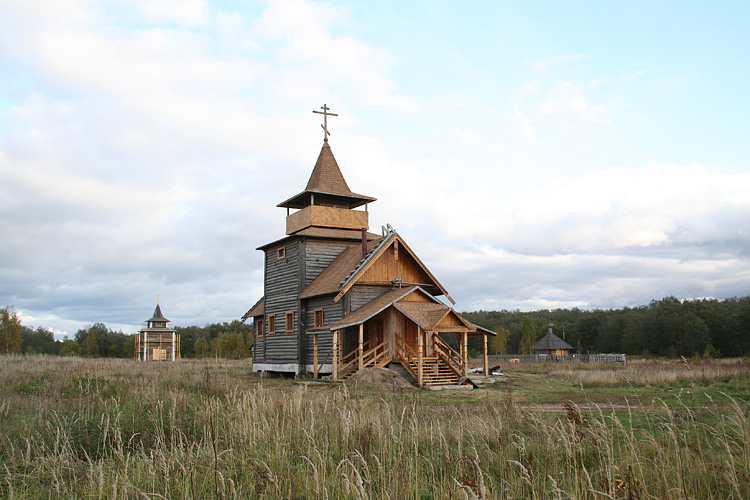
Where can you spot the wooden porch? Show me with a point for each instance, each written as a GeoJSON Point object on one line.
{"type": "Point", "coordinates": [444, 365]}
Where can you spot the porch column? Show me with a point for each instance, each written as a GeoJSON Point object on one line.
{"type": "Point", "coordinates": [466, 353]}
{"type": "Point", "coordinates": [420, 348]}
{"type": "Point", "coordinates": [335, 359]}
{"type": "Point", "coordinates": [485, 357]}
{"type": "Point", "coordinates": [315, 353]}
{"type": "Point", "coordinates": [361, 341]}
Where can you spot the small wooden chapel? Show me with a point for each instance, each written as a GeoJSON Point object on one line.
{"type": "Point", "coordinates": [156, 341]}
{"type": "Point", "coordinates": [338, 298]}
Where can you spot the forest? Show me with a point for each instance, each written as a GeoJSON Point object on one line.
{"type": "Point", "coordinates": [224, 340]}
{"type": "Point", "coordinates": [668, 327]}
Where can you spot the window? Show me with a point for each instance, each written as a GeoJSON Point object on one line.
{"type": "Point", "coordinates": [259, 327]}
{"type": "Point", "coordinates": [318, 321]}
{"type": "Point", "coordinates": [281, 252]}
{"type": "Point", "coordinates": [271, 323]}
{"type": "Point", "coordinates": [290, 322]}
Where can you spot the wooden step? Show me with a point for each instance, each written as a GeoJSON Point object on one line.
{"type": "Point", "coordinates": [435, 371]}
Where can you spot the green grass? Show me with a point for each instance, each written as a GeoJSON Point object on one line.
{"type": "Point", "coordinates": [71, 428]}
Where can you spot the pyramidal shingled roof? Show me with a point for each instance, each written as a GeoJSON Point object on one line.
{"type": "Point", "coordinates": [158, 316]}
{"type": "Point", "coordinates": [326, 179]}
{"type": "Point", "coordinates": [551, 342]}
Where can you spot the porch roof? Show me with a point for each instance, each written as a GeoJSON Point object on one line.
{"type": "Point", "coordinates": [373, 307]}
{"type": "Point", "coordinates": [482, 330]}
{"type": "Point", "coordinates": [425, 314]}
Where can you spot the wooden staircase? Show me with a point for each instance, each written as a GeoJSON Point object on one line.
{"type": "Point", "coordinates": [444, 369]}
{"type": "Point", "coordinates": [435, 371]}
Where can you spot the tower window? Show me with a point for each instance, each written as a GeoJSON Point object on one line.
{"type": "Point", "coordinates": [271, 323]}
{"type": "Point", "coordinates": [318, 321]}
{"type": "Point", "coordinates": [281, 253]}
{"type": "Point", "coordinates": [290, 321]}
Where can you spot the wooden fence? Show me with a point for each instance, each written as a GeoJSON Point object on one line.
{"type": "Point", "coordinates": [511, 359]}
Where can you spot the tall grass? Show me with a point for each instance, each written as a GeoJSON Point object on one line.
{"type": "Point", "coordinates": [118, 429]}
{"type": "Point", "coordinates": [662, 373]}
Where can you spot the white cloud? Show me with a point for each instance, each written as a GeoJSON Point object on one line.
{"type": "Point", "coordinates": [642, 207]}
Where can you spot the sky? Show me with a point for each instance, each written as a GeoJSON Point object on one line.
{"type": "Point", "coordinates": [535, 155]}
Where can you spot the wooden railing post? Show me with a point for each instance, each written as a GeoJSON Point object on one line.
{"type": "Point", "coordinates": [485, 364]}
{"type": "Point", "coordinates": [361, 350]}
{"type": "Point", "coordinates": [420, 348]}
{"type": "Point", "coordinates": [466, 353]}
{"type": "Point", "coordinates": [335, 355]}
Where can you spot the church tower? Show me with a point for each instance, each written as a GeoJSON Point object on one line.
{"type": "Point", "coordinates": [327, 201]}
{"type": "Point", "coordinates": [156, 341]}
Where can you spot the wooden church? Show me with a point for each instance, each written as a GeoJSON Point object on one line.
{"type": "Point", "coordinates": [339, 298]}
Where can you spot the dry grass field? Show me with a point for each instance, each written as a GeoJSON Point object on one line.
{"type": "Point", "coordinates": [100, 428]}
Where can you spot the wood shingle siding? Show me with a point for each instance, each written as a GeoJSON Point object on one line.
{"type": "Point", "coordinates": [281, 296]}
{"type": "Point", "coordinates": [259, 347]}
{"type": "Point", "coordinates": [363, 294]}
{"type": "Point", "coordinates": [332, 311]}
{"type": "Point", "coordinates": [325, 348]}
{"type": "Point", "coordinates": [319, 255]}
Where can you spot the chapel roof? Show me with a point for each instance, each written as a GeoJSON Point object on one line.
{"type": "Point", "coordinates": [158, 316]}
{"type": "Point", "coordinates": [551, 342]}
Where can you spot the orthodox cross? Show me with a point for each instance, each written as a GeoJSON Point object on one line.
{"type": "Point", "coordinates": [325, 114]}
{"type": "Point", "coordinates": [157, 299]}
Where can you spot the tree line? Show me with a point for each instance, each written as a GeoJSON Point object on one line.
{"type": "Point", "coordinates": [668, 327]}
{"type": "Point", "coordinates": [225, 340]}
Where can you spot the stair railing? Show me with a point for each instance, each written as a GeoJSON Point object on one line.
{"type": "Point", "coordinates": [404, 354]}
{"type": "Point", "coordinates": [448, 355]}
{"type": "Point", "coordinates": [352, 358]}
{"type": "Point", "coordinates": [379, 355]}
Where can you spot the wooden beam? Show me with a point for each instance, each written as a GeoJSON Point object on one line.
{"type": "Point", "coordinates": [360, 350]}
{"type": "Point", "coordinates": [485, 363]}
{"type": "Point", "coordinates": [420, 347]}
{"type": "Point", "coordinates": [335, 355]}
{"type": "Point", "coordinates": [315, 353]}
{"type": "Point", "coordinates": [466, 353]}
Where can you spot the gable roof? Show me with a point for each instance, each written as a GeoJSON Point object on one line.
{"type": "Point", "coordinates": [330, 278]}
{"type": "Point", "coordinates": [551, 342]}
{"type": "Point", "coordinates": [326, 179]}
{"type": "Point", "coordinates": [425, 314]}
{"type": "Point", "coordinates": [389, 239]}
{"type": "Point", "coordinates": [373, 307]}
{"type": "Point", "coordinates": [429, 313]}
